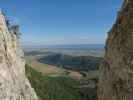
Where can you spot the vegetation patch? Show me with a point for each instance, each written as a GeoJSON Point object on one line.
{"type": "Point", "coordinates": [58, 87]}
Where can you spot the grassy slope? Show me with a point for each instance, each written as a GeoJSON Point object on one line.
{"type": "Point", "coordinates": [52, 83]}
{"type": "Point", "coordinates": [53, 88]}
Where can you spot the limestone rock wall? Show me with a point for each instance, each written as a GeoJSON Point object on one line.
{"type": "Point", "coordinates": [116, 79]}
{"type": "Point", "coordinates": [13, 83]}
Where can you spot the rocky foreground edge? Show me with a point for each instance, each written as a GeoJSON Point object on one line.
{"type": "Point", "coordinates": [116, 78]}
{"type": "Point", "coordinates": [13, 83]}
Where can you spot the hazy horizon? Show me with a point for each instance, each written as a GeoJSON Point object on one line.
{"type": "Point", "coordinates": [67, 47]}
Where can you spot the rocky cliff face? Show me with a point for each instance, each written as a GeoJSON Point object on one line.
{"type": "Point", "coordinates": [13, 83]}
{"type": "Point", "coordinates": [116, 81]}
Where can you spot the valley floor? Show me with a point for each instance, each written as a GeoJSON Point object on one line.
{"type": "Point", "coordinates": [54, 83]}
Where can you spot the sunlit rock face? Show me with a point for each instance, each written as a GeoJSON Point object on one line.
{"type": "Point", "coordinates": [13, 83]}
{"type": "Point", "coordinates": [116, 80]}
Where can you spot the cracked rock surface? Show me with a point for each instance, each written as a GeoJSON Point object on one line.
{"type": "Point", "coordinates": [116, 79]}
{"type": "Point", "coordinates": [13, 83]}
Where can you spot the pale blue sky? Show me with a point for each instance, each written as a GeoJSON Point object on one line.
{"type": "Point", "coordinates": [62, 21]}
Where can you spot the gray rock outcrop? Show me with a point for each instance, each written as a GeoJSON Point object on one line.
{"type": "Point", "coordinates": [13, 83]}
{"type": "Point", "coordinates": [116, 79]}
